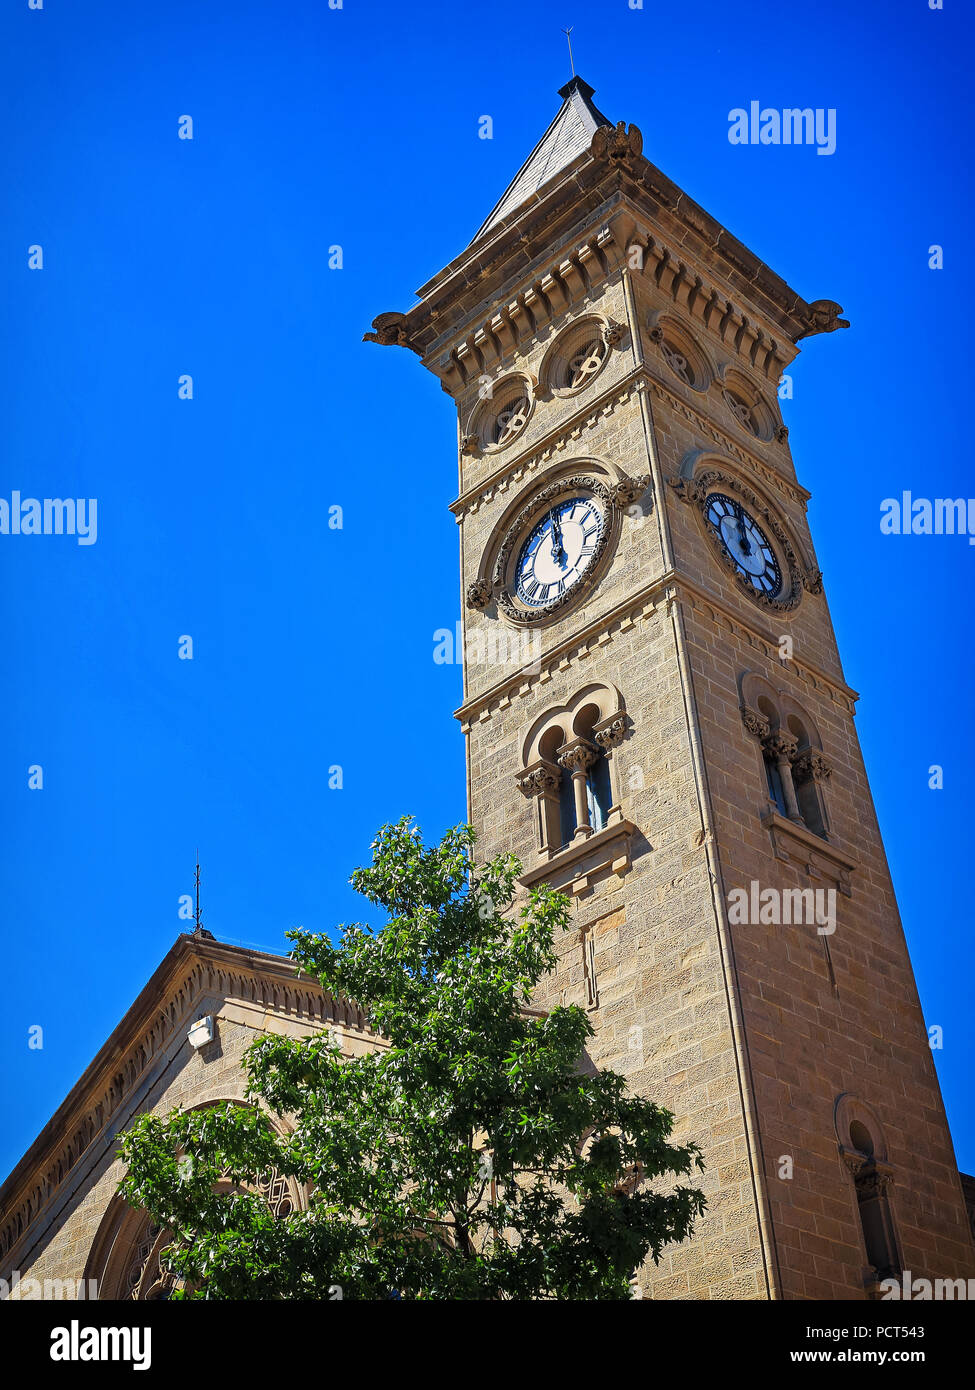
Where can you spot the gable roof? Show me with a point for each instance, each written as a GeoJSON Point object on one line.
{"type": "Point", "coordinates": [569, 136]}
{"type": "Point", "coordinates": [42, 1187]}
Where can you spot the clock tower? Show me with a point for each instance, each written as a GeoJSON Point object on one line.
{"type": "Point", "coordinates": [657, 721]}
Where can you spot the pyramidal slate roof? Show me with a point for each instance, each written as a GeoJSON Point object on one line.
{"type": "Point", "coordinates": [567, 137]}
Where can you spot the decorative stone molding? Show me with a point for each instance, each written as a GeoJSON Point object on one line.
{"type": "Point", "coordinates": [479, 593]}
{"type": "Point", "coordinates": [685, 356]}
{"type": "Point", "coordinates": [696, 491]}
{"type": "Point", "coordinates": [141, 1046]}
{"type": "Point", "coordinates": [781, 434]}
{"type": "Point", "coordinates": [448, 327]}
{"type": "Point", "coordinates": [848, 1110]}
{"type": "Point", "coordinates": [584, 863]}
{"type": "Point", "coordinates": [497, 420]}
{"type": "Point", "coordinates": [565, 436]}
{"type": "Point", "coordinates": [541, 779]}
{"type": "Point", "coordinates": [728, 445]}
{"type": "Point", "coordinates": [578, 355]}
{"type": "Point", "coordinates": [642, 606]}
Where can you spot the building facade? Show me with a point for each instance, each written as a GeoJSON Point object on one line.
{"type": "Point", "coordinates": [657, 723]}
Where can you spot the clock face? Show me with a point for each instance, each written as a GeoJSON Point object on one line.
{"type": "Point", "coordinates": [745, 541]}
{"type": "Point", "coordinates": [558, 550]}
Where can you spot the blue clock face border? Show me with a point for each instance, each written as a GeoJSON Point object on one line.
{"type": "Point", "coordinates": [558, 551]}
{"type": "Point", "coordinates": [745, 543]}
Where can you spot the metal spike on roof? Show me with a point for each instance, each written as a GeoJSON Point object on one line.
{"type": "Point", "coordinates": [567, 137]}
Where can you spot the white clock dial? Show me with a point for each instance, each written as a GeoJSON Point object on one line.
{"type": "Point", "coordinates": [558, 551]}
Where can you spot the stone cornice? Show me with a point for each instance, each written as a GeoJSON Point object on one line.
{"type": "Point", "coordinates": [668, 588]}
{"type": "Point", "coordinates": [588, 189]}
{"type": "Point", "coordinates": [193, 966]}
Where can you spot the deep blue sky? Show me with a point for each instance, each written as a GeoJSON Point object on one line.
{"type": "Point", "coordinates": [314, 647]}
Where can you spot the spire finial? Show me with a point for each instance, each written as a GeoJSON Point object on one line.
{"type": "Point", "coordinates": [199, 930]}
{"type": "Point", "coordinates": [198, 927]}
{"type": "Point", "coordinates": [567, 33]}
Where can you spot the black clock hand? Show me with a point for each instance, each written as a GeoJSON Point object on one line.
{"type": "Point", "coordinates": [746, 547]}
{"type": "Point", "coordinates": [558, 546]}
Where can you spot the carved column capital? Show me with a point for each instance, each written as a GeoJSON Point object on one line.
{"type": "Point", "coordinates": [755, 723]}
{"type": "Point", "coordinates": [578, 756]}
{"type": "Point", "coordinates": [811, 763]}
{"type": "Point", "coordinates": [854, 1161]}
{"type": "Point", "coordinates": [610, 733]}
{"type": "Point", "coordinates": [781, 745]}
{"type": "Point", "coordinates": [541, 779]}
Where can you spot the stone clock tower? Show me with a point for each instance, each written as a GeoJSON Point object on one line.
{"type": "Point", "coordinates": [657, 721]}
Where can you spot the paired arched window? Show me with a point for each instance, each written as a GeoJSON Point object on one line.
{"type": "Point", "coordinates": [566, 766]}
{"type": "Point", "coordinates": [796, 772]}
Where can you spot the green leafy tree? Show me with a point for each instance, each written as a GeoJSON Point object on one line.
{"type": "Point", "coordinates": [474, 1157]}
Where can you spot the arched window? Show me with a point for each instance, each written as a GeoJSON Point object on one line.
{"type": "Point", "coordinates": [125, 1259]}
{"type": "Point", "coordinates": [863, 1149]}
{"type": "Point", "coordinates": [567, 767]}
{"type": "Point", "coordinates": [796, 771]}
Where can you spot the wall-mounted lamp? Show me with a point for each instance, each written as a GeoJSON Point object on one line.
{"type": "Point", "coordinates": [202, 1032]}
